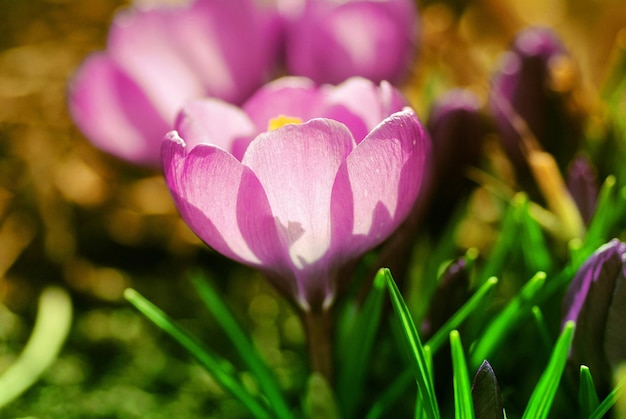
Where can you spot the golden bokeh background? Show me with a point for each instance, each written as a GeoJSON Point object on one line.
{"type": "Point", "coordinates": [75, 217]}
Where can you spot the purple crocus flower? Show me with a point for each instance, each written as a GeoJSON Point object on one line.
{"type": "Point", "coordinates": [524, 88]}
{"type": "Point", "coordinates": [126, 98]}
{"type": "Point", "coordinates": [596, 301]}
{"type": "Point", "coordinates": [304, 199]}
{"type": "Point", "coordinates": [332, 40]}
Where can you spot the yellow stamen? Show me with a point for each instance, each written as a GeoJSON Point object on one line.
{"type": "Point", "coordinates": [282, 120]}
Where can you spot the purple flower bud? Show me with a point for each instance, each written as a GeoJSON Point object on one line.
{"type": "Point", "coordinates": [582, 183]}
{"type": "Point", "coordinates": [456, 128]}
{"type": "Point", "coordinates": [486, 393]}
{"type": "Point", "coordinates": [451, 293]}
{"type": "Point", "coordinates": [526, 88]}
{"type": "Point", "coordinates": [596, 301]}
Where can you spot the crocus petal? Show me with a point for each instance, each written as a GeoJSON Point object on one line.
{"type": "Point", "coordinates": [380, 181]}
{"type": "Point", "coordinates": [248, 38]}
{"type": "Point", "coordinates": [196, 49]}
{"type": "Point", "coordinates": [145, 44]}
{"type": "Point", "coordinates": [221, 200]}
{"type": "Point", "coordinates": [330, 43]}
{"type": "Point", "coordinates": [212, 121]}
{"type": "Point", "coordinates": [615, 337]}
{"type": "Point", "coordinates": [358, 103]}
{"type": "Point", "coordinates": [114, 112]}
{"type": "Point", "coordinates": [605, 264]}
{"type": "Point", "coordinates": [595, 300]}
{"type": "Point", "coordinates": [361, 104]}
{"type": "Point", "coordinates": [296, 165]}
{"type": "Point", "coordinates": [289, 96]}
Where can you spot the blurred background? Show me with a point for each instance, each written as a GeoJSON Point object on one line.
{"type": "Point", "coordinates": [77, 218]}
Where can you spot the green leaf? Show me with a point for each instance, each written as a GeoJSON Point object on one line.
{"type": "Point", "coordinates": [221, 370]}
{"type": "Point", "coordinates": [545, 390]}
{"type": "Point", "coordinates": [463, 404]}
{"type": "Point", "coordinates": [505, 322]}
{"type": "Point", "coordinates": [354, 360]}
{"type": "Point", "coordinates": [587, 395]}
{"type": "Point", "coordinates": [486, 394]}
{"type": "Point", "coordinates": [242, 344]}
{"type": "Point", "coordinates": [419, 364]}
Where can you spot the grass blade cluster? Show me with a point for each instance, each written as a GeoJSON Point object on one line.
{"type": "Point", "coordinates": [505, 322]}
{"type": "Point", "coordinates": [242, 345]}
{"type": "Point", "coordinates": [221, 370]}
{"type": "Point", "coordinates": [396, 390]}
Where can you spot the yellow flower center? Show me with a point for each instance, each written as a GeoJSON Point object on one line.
{"type": "Point", "coordinates": [281, 121]}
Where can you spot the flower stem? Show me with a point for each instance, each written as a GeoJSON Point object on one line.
{"type": "Point", "coordinates": [318, 327]}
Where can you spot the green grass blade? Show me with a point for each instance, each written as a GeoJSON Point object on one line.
{"type": "Point", "coordinates": [609, 401]}
{"type": "Point", "coordinates": [603, 217]}
{"type": "Point", "coordinates": [419, 364]}
{"type": "Point", "coordinates": [391, 395]}
{"type": "Point", "coordinates": [243, 345]}
{"type": "Point", "coordinates": [542, 328]}
{"type": "Point", "coordinates": [354, 362]}
{"type": "Point", "coordinates": [476, 301]}
{"type": "Point", "coordinates": [52, 326]}
{"type": "Point", "coordinates": [420, 413]}
{"type": "Point", "coordinates": [221, 370]}
{"type": "Point", "coordinates": [587, 394]}
{"type": "Point", "coordinates": [545, 390]}
{"type": "Point", "coordinates": [396, 390]}
{"type": "Point", "coordinates": [505, 322]}
{"type": "Point", "coordinates": [463, 404]}
{"type": "Point", "coordinates": [534, 248]}
{"type": "Point", "coordinates": [507, 238]}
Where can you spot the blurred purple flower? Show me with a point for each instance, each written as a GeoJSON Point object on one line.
{"type": "Point", "coordinates": [332, 40]}
{"type": "Point", "coordinates": [596, 301]}
{"type": "Point", "coordinates": [525, 88]}
{"type": "Point", "coordinates": [303, 200]}
{"type": "Point", "coordinates": [125, 99]}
